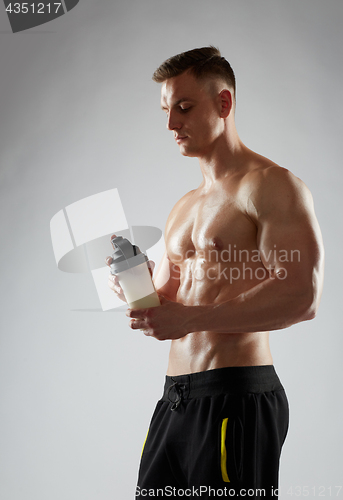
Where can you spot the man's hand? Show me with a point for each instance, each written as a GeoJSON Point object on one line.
{"type": "Point", "coordinates": [165, 322]}
{"type": "Point", "coordinates": [114, 284]}
{"type": "Point", "coordinates": [113, 281]}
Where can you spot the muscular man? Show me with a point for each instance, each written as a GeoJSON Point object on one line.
{"type": "Point", "coordinates": [244, 255]}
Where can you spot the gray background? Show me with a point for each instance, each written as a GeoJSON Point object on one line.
{"type": "Point", "coordinates": [79, 115]}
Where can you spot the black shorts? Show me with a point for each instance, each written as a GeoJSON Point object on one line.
{"type": "Point", "coordinates": [216, 434]}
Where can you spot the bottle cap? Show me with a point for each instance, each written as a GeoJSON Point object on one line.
{"type": "Point", "coordinates": [125, 255]}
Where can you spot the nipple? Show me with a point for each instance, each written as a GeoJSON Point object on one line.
{"type": "Point", "coordinates": [217, 243]}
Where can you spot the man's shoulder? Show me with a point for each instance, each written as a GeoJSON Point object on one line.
{"type": "Point", "coordinates": [272, 187]}
{"type": "Point", "coordinates": [272, 177]}
{"type": "Point", "coordinates": [265, 170]}
{"type": "Point", "coordinates": [182, 201]}
{"type": "Point", "coordinates": [185, 197]}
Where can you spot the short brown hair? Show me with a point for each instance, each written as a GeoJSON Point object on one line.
{"type": "Point", "coordinates": [206, 61]}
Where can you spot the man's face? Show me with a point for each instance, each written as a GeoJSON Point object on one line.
{"type": "Point", "coordinates": [193, 112]}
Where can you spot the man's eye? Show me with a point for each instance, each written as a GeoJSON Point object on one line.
{"type": "Point", "coordinates": [184, 110]}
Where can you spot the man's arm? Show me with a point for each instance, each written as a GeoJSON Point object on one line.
{"type": "Point", "coordinates": [167, 278]}
{"type": "Point", "coordinates": [291, 248]}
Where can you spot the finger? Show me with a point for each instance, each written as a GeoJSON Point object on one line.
{"type": "Point", "coordinates": [115, 279]}
{"type": "Point", "coordinates": [135, 313]}
{"type": "Point", "coordinates": [108, 260]}
{"type": "Point", "coordinates": [111, 285]}
{"type": "Point", "coordinates": [112, 280]}
{"type": "Point", "coordinates": [138, 325]}
{"type": "Point", "coordinates": [146, 332]}
{"type": "Point", "coordinates": [115, 286]}
{"type": "Point", "coordinates": [116, 289]}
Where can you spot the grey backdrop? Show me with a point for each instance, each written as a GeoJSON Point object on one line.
{"type": "Point", "coordinates": [80, 115]}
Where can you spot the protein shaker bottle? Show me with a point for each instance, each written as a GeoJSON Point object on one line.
{"type": "Point", "coordinates": [130, 265]}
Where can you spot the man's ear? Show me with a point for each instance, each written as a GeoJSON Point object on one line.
{"type": "Point", "coordinates": [226, 103]}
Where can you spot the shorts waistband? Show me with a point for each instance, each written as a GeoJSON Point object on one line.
{"type": "Point", "coordinates": [229, 380]}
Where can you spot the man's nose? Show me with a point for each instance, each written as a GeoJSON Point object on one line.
{"type": "Point", "coordinates": [172, 122]}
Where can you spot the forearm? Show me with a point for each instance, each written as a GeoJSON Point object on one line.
{"type": "Point", "coordinates": [271, 305]}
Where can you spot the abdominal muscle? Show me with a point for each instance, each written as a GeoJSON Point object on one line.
{"type": "Point", "coordinates": [206, 350]}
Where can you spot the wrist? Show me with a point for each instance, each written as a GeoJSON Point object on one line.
{"type": "Point", "coordinates": [198, 318]}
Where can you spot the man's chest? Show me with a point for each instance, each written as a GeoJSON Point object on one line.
{"type": "Point", "coordinates": [215, 222]}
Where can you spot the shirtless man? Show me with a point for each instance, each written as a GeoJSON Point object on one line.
{"type": "Point", "coordinates": [244, 255]}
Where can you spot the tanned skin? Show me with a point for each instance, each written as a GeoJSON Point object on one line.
{"type": "Point", "coordinates": [244, 252]}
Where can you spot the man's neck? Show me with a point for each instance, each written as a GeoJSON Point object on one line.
{"type": "Point", "coordinates": [224, 159]}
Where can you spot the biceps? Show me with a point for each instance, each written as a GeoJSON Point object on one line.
{"type": "Point", "coordinates": [167, 279]}
{"type": "Point", "coordinates": [293, 245]}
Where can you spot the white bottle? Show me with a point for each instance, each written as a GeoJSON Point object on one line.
{"type": "Point", "coordinates": [130, 265]}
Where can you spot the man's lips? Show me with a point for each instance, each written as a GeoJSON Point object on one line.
{"type": "Point", "coordinates": [180, 138]}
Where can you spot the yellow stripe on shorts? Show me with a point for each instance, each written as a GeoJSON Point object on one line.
{"type": "Point", "coordinates": [223, 455]}
{"type": "Point", "coordinates": [146, 437]}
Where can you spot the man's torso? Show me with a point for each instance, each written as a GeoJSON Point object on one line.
{"type": "Point", "coordinates": [212, 239]}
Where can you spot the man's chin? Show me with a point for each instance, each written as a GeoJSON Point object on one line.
{"type": "Point", "coordinates": [187, 152]}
